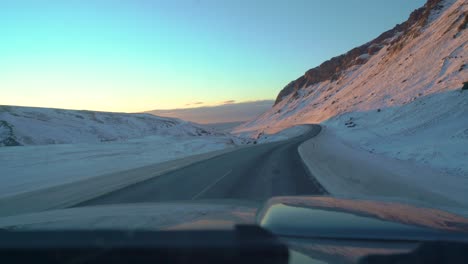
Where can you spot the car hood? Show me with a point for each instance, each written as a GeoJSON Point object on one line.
{"type": "Point", "coordinates": [327, 217]}
{"type": "Point", "coordinates": [294, 216]}
{"type": "Point", "coordinates": [315, 229]}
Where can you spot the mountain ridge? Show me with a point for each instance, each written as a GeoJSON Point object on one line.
{"type": "Point", "coordinates": [225, 113]}
{"type": "Point", "coordinates": [21, 125]}
{"type": "Point", "coordinates": [390, 70]}
{"type": "Point", "coordinates": [332, 69]}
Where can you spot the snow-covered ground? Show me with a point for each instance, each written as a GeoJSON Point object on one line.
{"type": "Point", "coordinates": [42, 126]}
{"type": "Point", "coordinates": [346, 171]}
{"type": "Point", "coordinates": [417, 152]}
{"type": "Point", "coordinates": [431, 131]}
{"type": "Point", "coordinates": [28, 168]}
{"type": "Point", "coordinates": [400, 105]}
{"type": "Point", "coordinates": [397, 124]}
{"type": "Point", "coordinates": [288, 133]}
{"type": "Point", "coordinates": [45, 147]}
{"type": "Point", "coordinates": [429, 62]}
{"type": "Point", "coordinates": [62, 146]}
{"type": "Point", "coordinates": [413, 153]}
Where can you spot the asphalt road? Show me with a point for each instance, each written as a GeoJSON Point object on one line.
{"type": "Point", "coordinates": [253, 173]}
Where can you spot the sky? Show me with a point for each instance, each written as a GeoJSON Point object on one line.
{"type": "Point", "coordinates": [137, 55]}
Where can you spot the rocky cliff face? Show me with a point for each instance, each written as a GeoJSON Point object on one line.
{"type": "Point", "coordinates": [395, 38]}
{"type": "Point", "coordinates": [426, 54]}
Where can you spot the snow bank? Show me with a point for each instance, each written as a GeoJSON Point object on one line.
{"type": "Point", "coordinates": [432, 131]}
{"type": "Point", "coordinates": [416, 152]}
{"type": "Point", "coordinates": [285, 134]}
{"type": "Point", "coordinates": [346, 171]}
{"type": "Point", "coordinates": [262, 137]}
{"type": "Point", "coordinates": [29, 168]}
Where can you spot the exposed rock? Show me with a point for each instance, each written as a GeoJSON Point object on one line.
{"type": "Point", "coordinates": [398, 36]}
{"type": "Point", "coordinates": [464, 24]}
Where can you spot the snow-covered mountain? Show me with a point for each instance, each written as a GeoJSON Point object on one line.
{"type": "Point", "coordinates": [227, 112]}
{"type": "Point", "coordinates": [425, 55]}
{"type": "Point", "coordinates": [41, 126]}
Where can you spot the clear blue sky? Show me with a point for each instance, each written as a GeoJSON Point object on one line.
{"type": "Point", "coordinates": [139, 55]}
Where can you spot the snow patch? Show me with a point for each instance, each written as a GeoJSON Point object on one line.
{"type": "Point", "coordinates": [364, 57]}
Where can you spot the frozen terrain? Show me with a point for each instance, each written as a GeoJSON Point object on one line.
{"type": "Point", "coordinates": [395, 116]}
{"type": "Point", "coordinates": [398, 154]}
{"type": "Point", "coordinates": [43, 126]}
{"type": "Point", "coordinates": [431, 131]}
{"type": "Point", "coordinates": [428, 59]}
{"type": "Point", "coordinates": [228, 112]}
{"type": "Point", "coordinates": [222, 127]}
{"type": "Point", "coordinates": [45, 147]}
{"type": "Point", "coordinates": [50, 147]}
{"type": "Point", "coordinates": [28, 168]}
{"type": "Point", "coordinates": [284, 134]}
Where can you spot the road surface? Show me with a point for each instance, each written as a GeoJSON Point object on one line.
{"type": "Point", "coordinates": [253, 173]}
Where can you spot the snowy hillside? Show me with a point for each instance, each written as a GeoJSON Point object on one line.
{"type": "Point", "coordinates": [42, 126]}
{"type": "Point", "coordinates": [425, 55]}
{"type": "Point", "coordinates": [63, 146]}
{"type": "Point", "coordinates": [431, 131]}
{"type": "Point", "coordinates": [396, 107]}
{"type": "Point", "coordinates": [29, 168]}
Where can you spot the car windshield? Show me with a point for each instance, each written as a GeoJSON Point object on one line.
{"type": "Point", "coordinates": [205, 114]}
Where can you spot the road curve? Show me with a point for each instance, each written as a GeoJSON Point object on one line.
{"type": "Point", "coordinates": [254, 173]}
